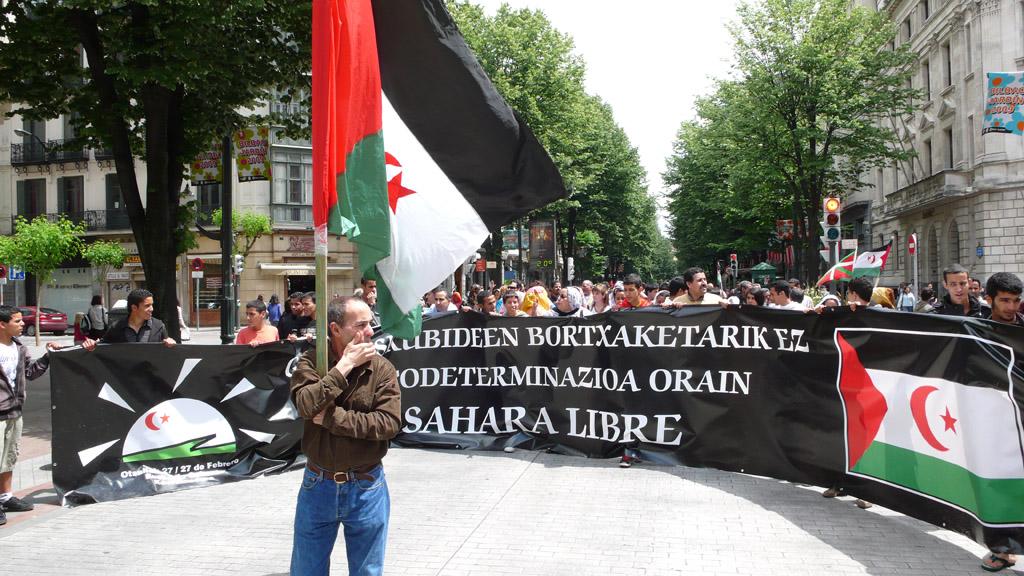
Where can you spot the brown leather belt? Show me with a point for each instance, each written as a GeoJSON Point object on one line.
{"type": "Point", "coordinates": [342, 477]}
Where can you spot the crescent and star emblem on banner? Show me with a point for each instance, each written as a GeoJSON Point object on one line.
{"type": "Point", "coordinates": [151, 421]}
{"type": "Point", "coordinates": [394, 175]}
{"type": "Point", "coordinates": [917, 410]}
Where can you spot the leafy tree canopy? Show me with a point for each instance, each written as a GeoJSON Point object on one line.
{"type": "Point", "coordinates": [156, 80]}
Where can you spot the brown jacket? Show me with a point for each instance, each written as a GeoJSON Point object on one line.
{"type": "Point", "coordinates": [364, 412]}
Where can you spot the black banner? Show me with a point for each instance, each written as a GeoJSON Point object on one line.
{"type": "Point", "coordinates": [139, 419]}
{"type": "Point", "coordinates": [919, 413]}
{"type": "Point", "coordinates": [800, 397]}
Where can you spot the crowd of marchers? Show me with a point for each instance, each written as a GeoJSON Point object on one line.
{"type": "Point", "coordinates": [998, 298]}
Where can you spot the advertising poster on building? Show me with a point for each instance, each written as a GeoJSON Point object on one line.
{"type": "Point", "coordinates": [206, 166]}
{"type": "Point", "coordinates": [1004, 97]}
{"type": "Point", "coordinates": [542, 243]}
{"type": "Point", "coordinates": [252, 153]}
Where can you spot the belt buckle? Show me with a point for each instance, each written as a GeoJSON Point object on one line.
{"type": "Point", "coordinates": [341, 477]}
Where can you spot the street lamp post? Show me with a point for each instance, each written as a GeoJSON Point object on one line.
{"type": "Point", "coordinates": [42, 145]}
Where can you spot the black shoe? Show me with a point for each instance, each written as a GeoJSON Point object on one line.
{"type": "Point", "coordinates": [15, 504]}
{"type": "Point", "coordinates": [3, 518]}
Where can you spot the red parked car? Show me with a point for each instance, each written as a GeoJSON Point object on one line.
{"type": "Point", "coordinates": [51, 320]}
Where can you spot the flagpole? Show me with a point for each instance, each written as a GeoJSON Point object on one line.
{"type": "Point", "coordinates": [323, 300]}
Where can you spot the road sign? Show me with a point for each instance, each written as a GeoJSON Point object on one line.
{"type": "Point", "coordinates": [980, 252]}
{"type": "Point", "coordinates": [197, 265]}
{"type": "Point", "coordinates": [3, 271]}
{"type": "Point", "coordinates": [849, 244]}
{"type": "Point", "coordinates": [912, 244]}
{"type": "Point", "coordinates": [16, 273]}
{"type": "Point", "coordinates": [197, 273]}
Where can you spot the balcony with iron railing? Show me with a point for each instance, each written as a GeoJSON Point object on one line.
{"type": "Point", "coordinates": [65, 151]}
{"type": "Point", "coordinates": [94, 220]}
{"type": "Point", "coordinates": [53, 151]}
{"type": "Point", "coordinates": [29, 153]}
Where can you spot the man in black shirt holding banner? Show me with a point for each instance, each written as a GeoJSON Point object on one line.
{"type": "Point", "coordinates": [139, 326]}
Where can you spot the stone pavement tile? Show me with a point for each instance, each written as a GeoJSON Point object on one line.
{"type": "Point", "coordinates": [527, 513]}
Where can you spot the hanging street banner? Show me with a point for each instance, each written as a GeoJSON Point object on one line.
{"type": "Point", "coordinates": [140, 419]}
{"type": "Point", "coordinates": [206, 167]}
{"type": "Point", "coordinates": [899, 409]}
{"type": "Point", "coordinates": [252, 153]}
{"type": "Point", "coordinates": [1004, 103]}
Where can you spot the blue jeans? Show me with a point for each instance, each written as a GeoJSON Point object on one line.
{"type": "Point", "coordinates": [362, 506]}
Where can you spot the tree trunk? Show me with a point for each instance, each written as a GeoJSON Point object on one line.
{"type": "Point", "coordinates": [39, 302]}
{"type": "Point", "coordinates": [164, 170]}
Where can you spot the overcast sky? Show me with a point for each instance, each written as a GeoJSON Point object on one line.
{"type": "Point", "coordinates": [649, 59]}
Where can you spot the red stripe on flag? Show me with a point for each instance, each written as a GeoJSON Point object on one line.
{"type": "Point", "coordinates": [865, 405]}
{"type": "Point", "coordinates": [346, 92]}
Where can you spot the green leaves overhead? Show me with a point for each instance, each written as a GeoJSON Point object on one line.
{"type": "Point", "coordinates": [534, 67]}
{"type": "Point", "coordinates": [806, 114]}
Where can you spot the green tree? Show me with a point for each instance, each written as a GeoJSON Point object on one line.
{"type": "Point", "coordinates": [103, 255]}
{"type": "Point", "coordinates": [808, 112]}
{"type": "Point", "coordinates": [39, 247]}
{"type": "Point", "coordinates": [535, 69]}
{"type": "Point", "coordinates": [249, 227]}
{"type": "Point", "coordinates": [162, 80]}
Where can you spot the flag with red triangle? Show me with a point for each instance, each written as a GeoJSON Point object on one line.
{"type": "Point", "coordinates": [870, 263]}
{"type": "Point", "coordinates": [417, 177]}
{"type": "Point", "coordinates": [949, 431]}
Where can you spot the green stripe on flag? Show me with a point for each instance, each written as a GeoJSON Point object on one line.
{"type": "Point", "coordinates": [392, 319]}
{"type": "Point", "coordinates": [363, 212]}
{"type": "Point", "coordinates": [994, 501]}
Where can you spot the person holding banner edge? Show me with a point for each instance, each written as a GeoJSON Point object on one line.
{"type": "Point", "coordinates": [139, 326]}
{"type": "Point", "coordinates": [1003, 291]}
{"type": "Point", "coordinates": [350, 414]}
{"type": "Point", "coordinates": [16, 369]}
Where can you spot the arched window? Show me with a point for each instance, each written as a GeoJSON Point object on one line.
{"type": "Point", "coordinates": [954, 254]}
{"type": "Point", "coordinates": [932, 274]}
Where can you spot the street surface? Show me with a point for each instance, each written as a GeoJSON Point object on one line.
{"type": "Point", "coordinates": [468, 513]}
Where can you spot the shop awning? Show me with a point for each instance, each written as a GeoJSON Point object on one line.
{"type": "Point", "coordinates": [301, 268]}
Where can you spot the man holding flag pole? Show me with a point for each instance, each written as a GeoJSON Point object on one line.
{"type": "Point", "coordinates": [408, 133]}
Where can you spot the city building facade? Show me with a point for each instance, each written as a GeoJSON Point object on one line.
{"type": "Point", "coordinates": [963, 192]}
{"type": "Point", "coordinates": [38, 176]}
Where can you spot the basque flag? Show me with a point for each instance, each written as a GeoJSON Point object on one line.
{"type": "Point", "coordinates": [424, 172]}
{"type": "Point", "coordinates": [947, 430]}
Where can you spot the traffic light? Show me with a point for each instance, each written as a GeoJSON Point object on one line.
{"type": "Point", "coordinates": [239, 264]}
{"type": "Point", "coordinates": [831, 208]}
{"type": "Point", "coordinates": [733, 260]}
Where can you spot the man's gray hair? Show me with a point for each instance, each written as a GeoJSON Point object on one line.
{"type": "Point", "coordinates": [337, 308]}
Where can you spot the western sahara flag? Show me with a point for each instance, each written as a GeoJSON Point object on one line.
{"type": "Point", "coordinates": [870, 263]}
{"type": "Point", "coordinates": [423, 174]}
{"type": "Point", "coordinates": [948, 430]}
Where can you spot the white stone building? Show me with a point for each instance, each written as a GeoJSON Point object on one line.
{"type": "Point", "coordinates": [36, 179]}
{"type": "Point", "coordinates": [963, 195]}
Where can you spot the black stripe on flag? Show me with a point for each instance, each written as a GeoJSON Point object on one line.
{"type": "Point", "coordinates": [445, 98]}
{"type": "Point", "coordinates": [962, 359]}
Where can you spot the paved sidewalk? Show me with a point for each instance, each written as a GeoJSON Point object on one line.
{"type": "Point", "coordinates": [527, 513]}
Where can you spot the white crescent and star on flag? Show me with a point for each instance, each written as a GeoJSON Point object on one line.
{"type": "Point", "coordinates": [920, 413]}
